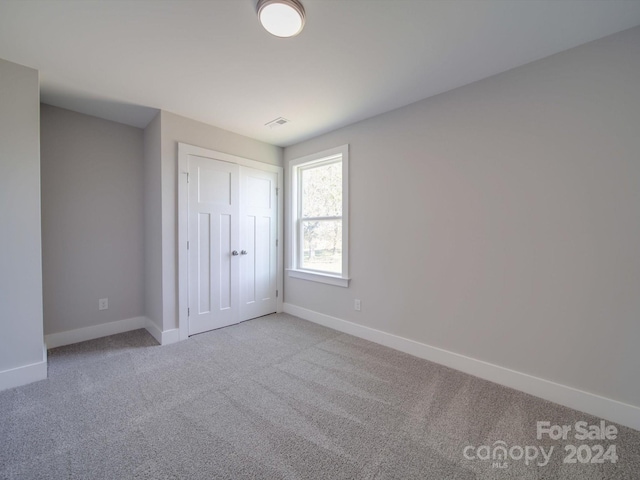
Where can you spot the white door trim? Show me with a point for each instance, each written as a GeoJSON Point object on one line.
{"type": "Point", "coordinates": [184, 150]}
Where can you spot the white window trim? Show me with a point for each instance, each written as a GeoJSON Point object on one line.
{"type": "Point", "coordinates": [293, 270]}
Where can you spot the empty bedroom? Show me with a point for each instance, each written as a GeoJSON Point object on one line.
{"type": "Point", "coordinates": [319, 239]}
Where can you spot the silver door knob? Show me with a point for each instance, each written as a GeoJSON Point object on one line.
{"type": "Point", "coordinates": [234, 253]}
{"type": "Point", "coordinates": [243, 252]}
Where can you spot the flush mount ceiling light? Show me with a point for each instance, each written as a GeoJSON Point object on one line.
{"type": "Point", "coordinates": [282, 18]}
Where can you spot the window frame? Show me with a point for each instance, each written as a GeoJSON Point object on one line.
{"type": "Point", "coordinates": [296, 166]}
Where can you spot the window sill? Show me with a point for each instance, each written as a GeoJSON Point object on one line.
{"type": "Point", "coordinates": [319, 277]}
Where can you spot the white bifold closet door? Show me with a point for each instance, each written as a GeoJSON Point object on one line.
{"type": "Point", "coordinates": [232, 243]}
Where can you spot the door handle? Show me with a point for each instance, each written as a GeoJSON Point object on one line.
{"type": "Point", "coordinates": [243, 252]}
{"type": "Point", "coordinates": [234, 253]}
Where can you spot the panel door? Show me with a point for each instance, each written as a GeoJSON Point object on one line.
{"type": "Point", "coordinates": [258, 233]}
{"type": "Point", "coordinates": [214, 234]}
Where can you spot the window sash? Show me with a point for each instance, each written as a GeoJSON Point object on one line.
{"type": "Point", "coordinates": [308, 167]}
{"type": "Point", "coordinates": [300, 250]}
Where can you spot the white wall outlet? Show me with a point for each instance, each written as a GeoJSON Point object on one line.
{"type": "Point", "coordinates": [103, 304]}
{"type": "Point", "coordinates": [356, 305]}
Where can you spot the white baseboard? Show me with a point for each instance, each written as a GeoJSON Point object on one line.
{"type": "Point", "coordinates": [18, 376]}
{"type": "Point", "coordinates": [96, 331]}
{"type": "Point", "coordinates": [163, 337]}
{"type": "Point", "coordinates": [602, 407]}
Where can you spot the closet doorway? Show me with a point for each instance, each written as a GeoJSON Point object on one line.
{"type": "Point", "coordinates": [229, 229]}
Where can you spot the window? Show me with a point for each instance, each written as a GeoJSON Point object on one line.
{"type": "Point", "coordinates": [319, 217]}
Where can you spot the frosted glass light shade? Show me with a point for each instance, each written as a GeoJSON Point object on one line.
{"type": "Point", "coordinates": [282, 18]}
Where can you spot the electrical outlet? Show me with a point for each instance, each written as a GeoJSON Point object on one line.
{"type": "Point", "coordinates": [103, 304]}
{"type": "Point", "coordinates": [356, 305]}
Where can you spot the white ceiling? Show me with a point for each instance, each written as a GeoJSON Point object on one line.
{"type": "Point", "coordinates": [211, 60]}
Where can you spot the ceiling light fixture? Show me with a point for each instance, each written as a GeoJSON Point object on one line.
{"type": "Point", "coordinates": [282, 18]}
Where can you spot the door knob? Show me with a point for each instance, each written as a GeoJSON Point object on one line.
{"type": "Point", "coordinates": [243, 252]}
{"type": "Point", "coordinates": [234, 253]}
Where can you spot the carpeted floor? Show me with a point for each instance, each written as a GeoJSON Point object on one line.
{"type": "Point", "coordinates": [276, 398]}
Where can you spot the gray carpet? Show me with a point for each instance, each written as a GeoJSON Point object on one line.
{"type": "Point", "coordinates": [273, 398]}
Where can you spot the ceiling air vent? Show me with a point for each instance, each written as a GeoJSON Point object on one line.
{"type": "Point", "coordinates": [278, 122]}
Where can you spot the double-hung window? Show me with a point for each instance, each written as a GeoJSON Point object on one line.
{"type": "Point", "coordinates": [319, 217]}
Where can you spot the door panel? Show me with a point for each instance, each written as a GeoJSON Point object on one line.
{"type": "Point", "coordinates": [259, 231]}
{"type": "Point", "coordinates": [225, 278]}
{"type": "Point", "coordinates": [214, 274]}
{"type": "Point", "coordinates": [204, 263]}
{"type": "Point", "coordinates": [249, 246]}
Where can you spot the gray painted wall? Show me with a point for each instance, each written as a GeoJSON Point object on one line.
{"type": "Point", "coordinates": [153, 222]}
{"type": "Point", "coordinates": [501, 220]}
{"type": "Point", "coordinates": [21, 342]}
{"type": "Point", "coordinates": [177, 129]}
{"type": "Point", "coordinates": [92, 220]}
